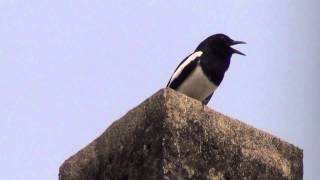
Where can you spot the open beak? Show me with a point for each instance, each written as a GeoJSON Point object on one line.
{"type": "Point", "coordinates": [236, 51]}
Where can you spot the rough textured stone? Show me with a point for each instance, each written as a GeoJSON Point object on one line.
{"type": "Point", "coordinates": [172, 136]}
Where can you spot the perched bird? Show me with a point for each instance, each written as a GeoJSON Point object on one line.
{"type": "Point", "coordinates": [200, 73]}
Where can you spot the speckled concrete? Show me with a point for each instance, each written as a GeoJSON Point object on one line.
{"type": "Point", "coordinates": [172, 136]}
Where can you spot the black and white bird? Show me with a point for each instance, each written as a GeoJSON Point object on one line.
{"type": "Point", "coordinates": [200, 73]}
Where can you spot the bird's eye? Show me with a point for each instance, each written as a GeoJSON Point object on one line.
{"type": "Point", "coordinates": [223, 38]}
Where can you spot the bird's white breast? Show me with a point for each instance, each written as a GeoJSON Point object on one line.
{"type": "Point", "coordinates": [197, 85]}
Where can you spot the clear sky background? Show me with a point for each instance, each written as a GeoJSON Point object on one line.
{"type": "Point", "coordinates": [68, 69]}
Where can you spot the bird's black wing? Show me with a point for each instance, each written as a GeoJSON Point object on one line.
{"type": "Point", "coordinates": [206, 101]}
{"type": "Point", "coordinates": [168, 84]}
{"type": "Point", "coordinates": [176, 79]}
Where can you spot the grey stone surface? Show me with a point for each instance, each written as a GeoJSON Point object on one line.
{"type": "Point", "coordinates": [172, 136]}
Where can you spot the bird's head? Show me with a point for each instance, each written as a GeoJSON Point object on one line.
{"type": "Point", "coordinates": [221, 44]}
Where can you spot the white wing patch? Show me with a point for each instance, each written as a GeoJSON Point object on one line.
{"type": "Point", "coordinates": [191, 58]}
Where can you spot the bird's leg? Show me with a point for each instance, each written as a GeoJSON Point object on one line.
{"type": "Point", "coordinates": [203, 106]}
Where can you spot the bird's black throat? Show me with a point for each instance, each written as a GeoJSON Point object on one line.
{"type": "Point", "coordinates": [214, 65]}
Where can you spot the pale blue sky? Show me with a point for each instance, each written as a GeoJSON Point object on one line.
{"type": "Point", "coordinates": [68, 69]}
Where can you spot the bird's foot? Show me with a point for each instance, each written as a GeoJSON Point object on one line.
{"type": "Point", "coordinates": [203, 106]}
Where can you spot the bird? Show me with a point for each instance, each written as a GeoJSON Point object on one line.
{"type": "Point", "coordinates": [200, 73]}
